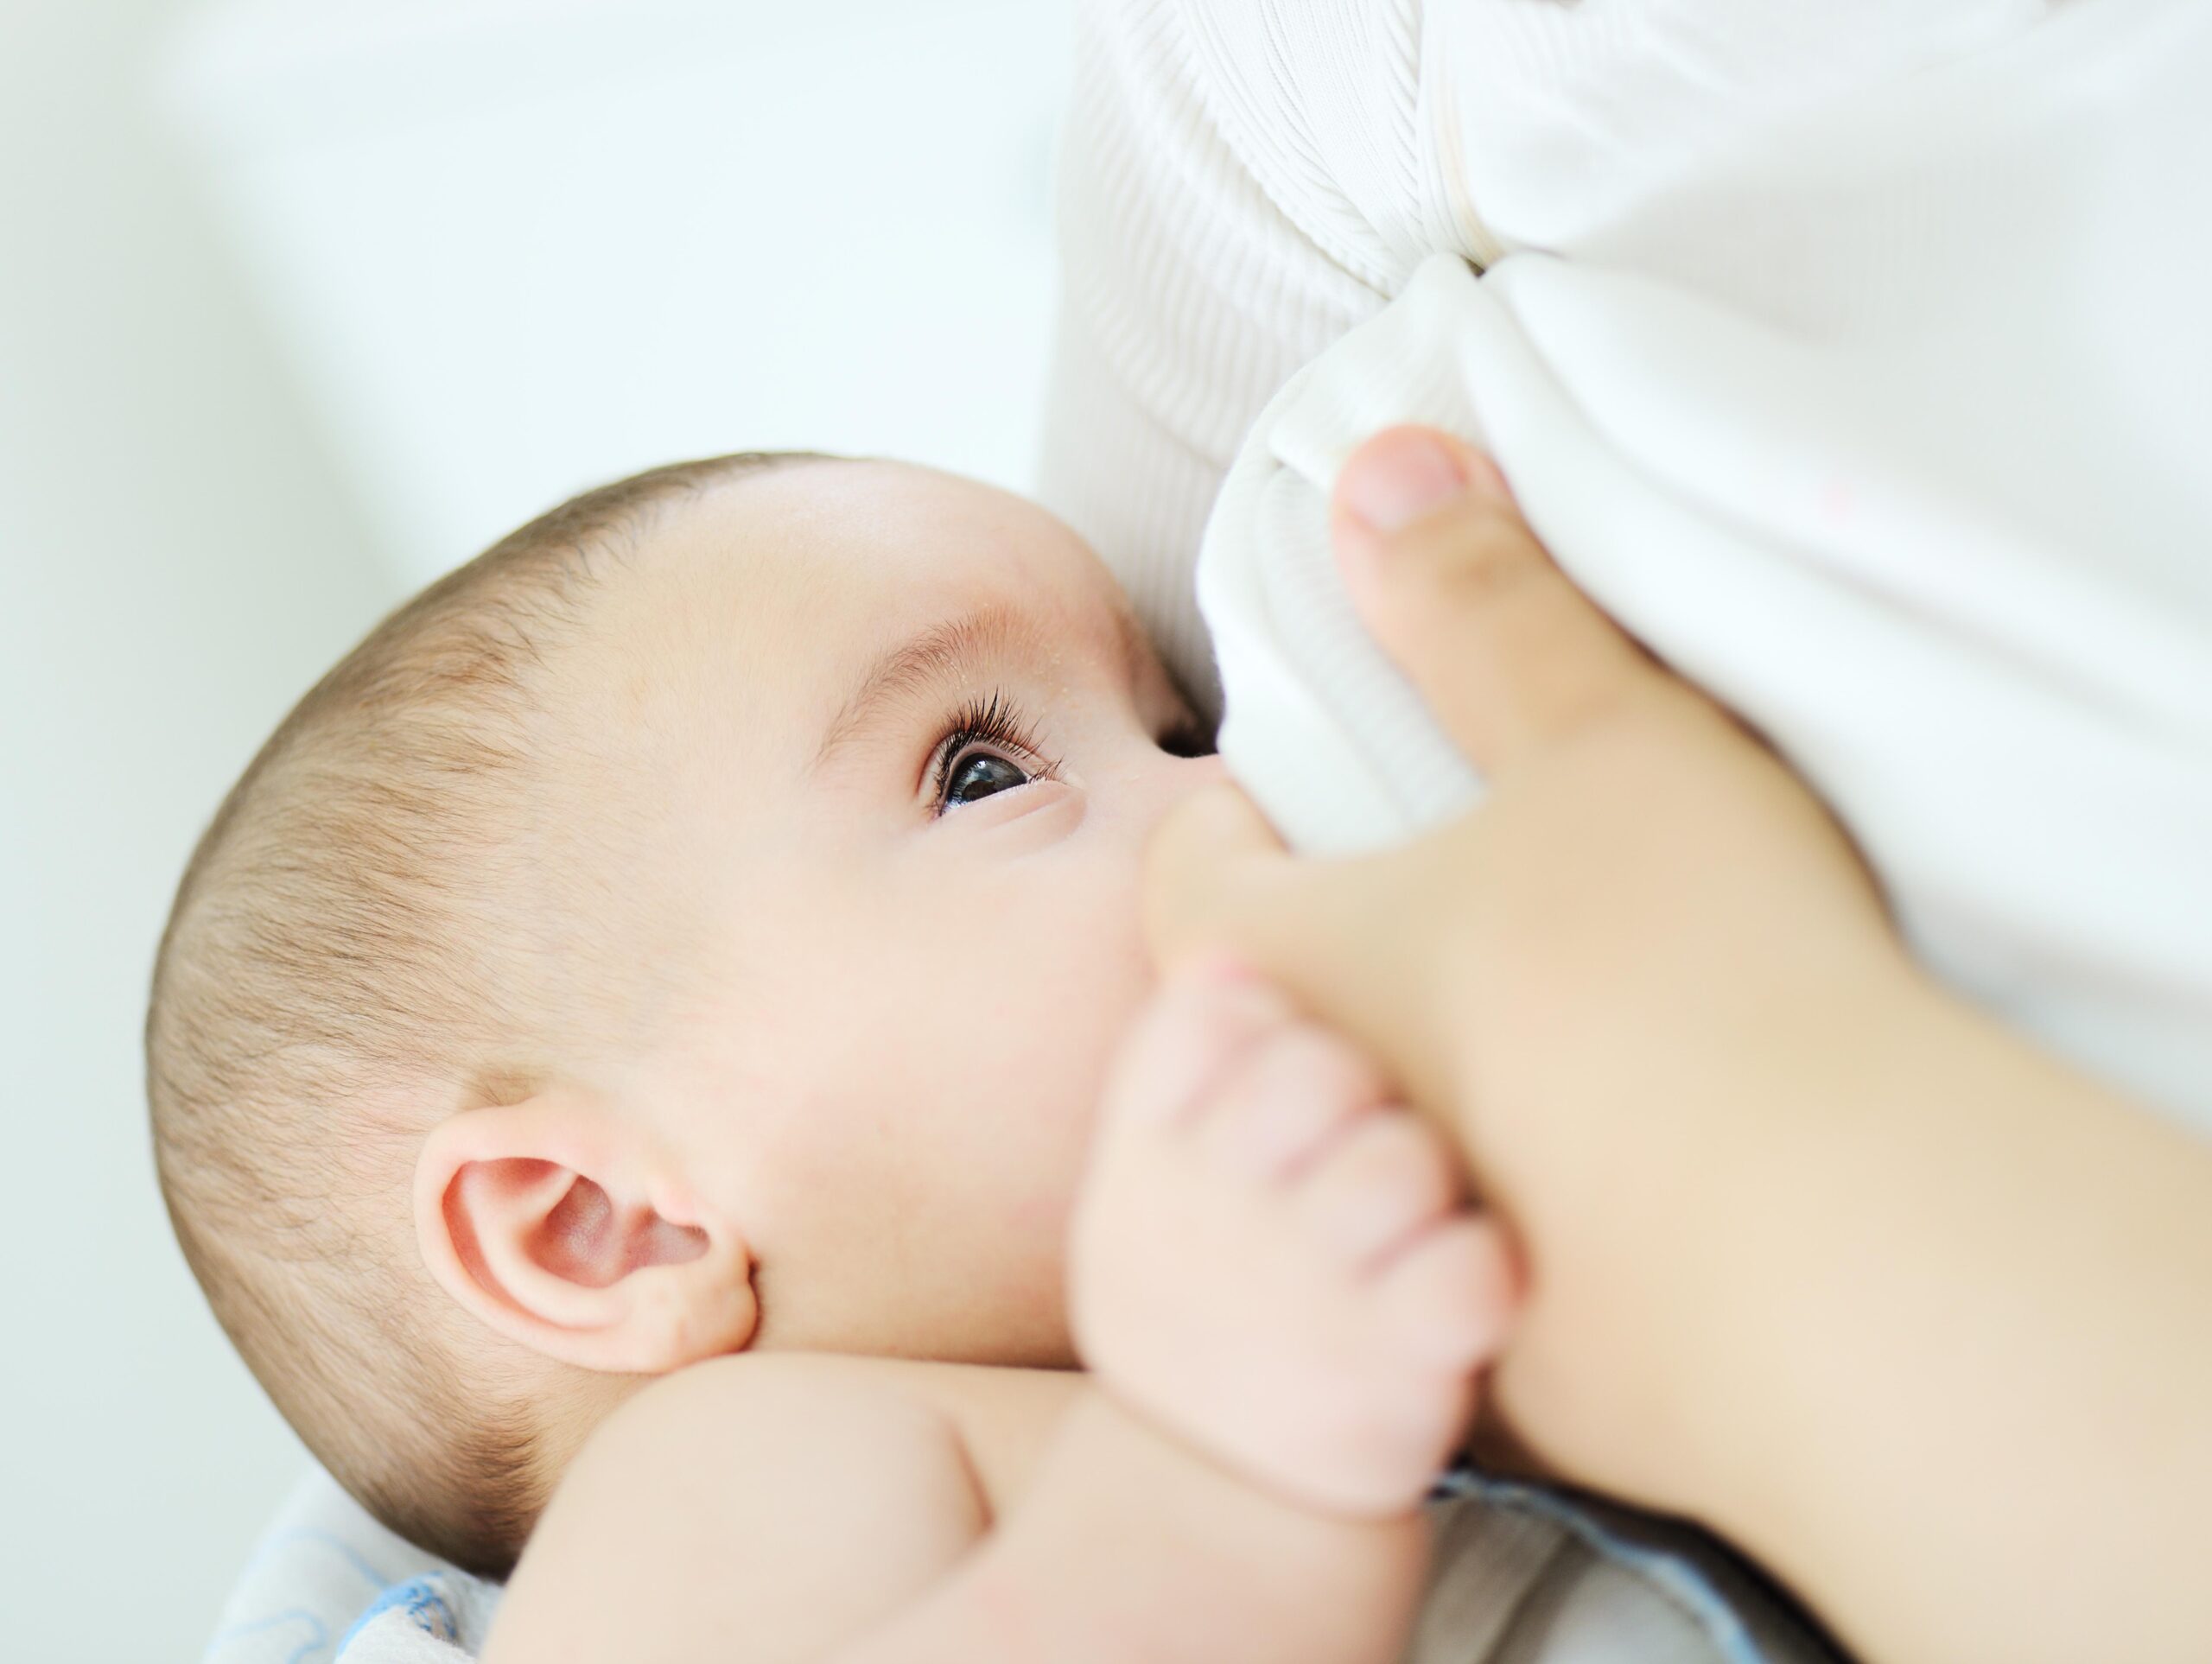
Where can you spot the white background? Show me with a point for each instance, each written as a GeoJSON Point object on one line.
{"type": "Point", "coordinates": [300, 304]}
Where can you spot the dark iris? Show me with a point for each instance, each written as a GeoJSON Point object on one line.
{"type": "Point", "coordinates": [979, 775]}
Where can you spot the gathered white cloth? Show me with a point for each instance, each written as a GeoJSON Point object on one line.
{"type": "Point", "coordinates": [327, 1580]}
{"type": "Point", "coordinates": [1853, 356]}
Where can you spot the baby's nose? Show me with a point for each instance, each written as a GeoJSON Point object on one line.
{"type": "Point", "coordinates": [1166, 780]}
{"type": "Point", "coordinates": [1202, 772]}
{"type": "Point", "coordinates": [1192, 775]}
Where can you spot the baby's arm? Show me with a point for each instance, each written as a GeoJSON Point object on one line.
{"type": "Point", "coordinates": [754, 1507]}
{"type": "Point", "coordinates": [1287, 1312]}
{"type": "Point", "coordinates": [797, 1508]}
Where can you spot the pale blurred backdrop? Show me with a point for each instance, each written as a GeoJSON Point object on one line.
{"type": "Point", "coordinates": [301, 301]}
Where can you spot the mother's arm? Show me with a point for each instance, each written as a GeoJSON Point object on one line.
{"type": "Point", "coordinates": [1818, 1254]}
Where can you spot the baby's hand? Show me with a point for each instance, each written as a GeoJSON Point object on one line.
{"type": "Point", "coordinates": [1273, 1263]}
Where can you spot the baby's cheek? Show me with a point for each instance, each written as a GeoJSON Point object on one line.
{"type": "Point", "coordinates": [1040, 1219]}
{"type": "Point", "coordinates": [1079, 973]}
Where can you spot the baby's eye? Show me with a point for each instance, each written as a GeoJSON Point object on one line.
{"type": "Point", "coordinates": [978, 775]}
{"type": "Point", "coordinates": [973, 756]}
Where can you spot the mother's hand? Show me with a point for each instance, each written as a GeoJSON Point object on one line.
{"type": "Point", "coordinates": [1816, 1253]}
{"type": "Point", "coordinates": [1602, 979]}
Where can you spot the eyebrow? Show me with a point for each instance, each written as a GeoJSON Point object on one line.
{"type": "Point", "coordinates": [943, 653]}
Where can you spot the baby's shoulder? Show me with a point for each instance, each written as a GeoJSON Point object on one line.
{"type": "Point", "coordinates": [807, 1420]}
{"type": "Point", "coordinates": [783, 1497]}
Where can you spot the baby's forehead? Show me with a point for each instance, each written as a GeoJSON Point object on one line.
{"type": "Point", "coordinates": [877, 537]}
{"type": "Point", "coordinates": [778, 589]}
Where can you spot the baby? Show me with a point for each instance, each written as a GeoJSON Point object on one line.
{"type": "Point", "coordinates": [699, 940]}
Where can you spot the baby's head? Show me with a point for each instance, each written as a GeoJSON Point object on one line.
{"type": "Point", "coordinates": [700, 922]}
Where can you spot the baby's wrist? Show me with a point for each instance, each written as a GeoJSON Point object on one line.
{"type": "Point", "coordinates": [1196, 1550]}
{"type": "Point", "coordinates": [1179, 1455]}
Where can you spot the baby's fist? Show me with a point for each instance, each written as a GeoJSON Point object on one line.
{"type": "Point", "coordinates": [1272, 1262]}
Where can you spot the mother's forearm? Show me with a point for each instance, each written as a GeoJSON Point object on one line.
{"type": "Point", "coordinates": [1961, 1296]}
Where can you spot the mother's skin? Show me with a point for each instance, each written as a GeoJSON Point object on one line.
{"type": "Point", "coordinates": [1817, 1254]}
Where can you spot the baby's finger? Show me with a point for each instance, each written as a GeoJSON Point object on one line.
{"type": "Point", "coordinates": [1278, 1105]}
{"type": "Point", "coordinates": [1382, 1183]}
{"type": "Point", "coordinates": [1205, 1017]}
{"type": "Point", "coordinates": [1452, 1292]}
{"type": "Point", "coordinates": [1510, 656]}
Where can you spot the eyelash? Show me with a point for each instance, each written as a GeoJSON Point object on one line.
{"type": "Point", "coordinates": [993, 722]}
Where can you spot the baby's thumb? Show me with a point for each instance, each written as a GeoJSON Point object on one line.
{"type": "Point", "coordinates": [1510, 655]}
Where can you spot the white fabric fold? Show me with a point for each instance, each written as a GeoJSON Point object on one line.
{"type": "Point", "coordinates": [1882, 424]}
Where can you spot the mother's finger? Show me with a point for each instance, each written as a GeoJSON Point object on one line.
{"type": "Point", "coordinates": [1346, 938]}
{"type": "Point", "coordinates": [1510, 655]}
{"type": "Point", "coordinates": [1216, 876]}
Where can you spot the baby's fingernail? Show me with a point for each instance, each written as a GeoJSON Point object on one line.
{"type": "Point", "coordinates": [1396, 479]}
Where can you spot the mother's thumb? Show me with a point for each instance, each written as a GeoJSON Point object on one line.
{"type": "Point", "coordinates": [1204, 871]}
{"type": "Point", "coordinates": [1510, 656]}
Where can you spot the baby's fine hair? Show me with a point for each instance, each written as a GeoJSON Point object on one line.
{"type": "Point", "coordinates": [359, 946]}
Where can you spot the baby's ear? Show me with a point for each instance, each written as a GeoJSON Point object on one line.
{"type": "Point", "coordinates": [564, 1229]}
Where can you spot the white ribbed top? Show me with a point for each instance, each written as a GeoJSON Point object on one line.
{"type": "Point", "coordinates": [1240, 182]}
{"type": "Point", "coordinates": [1189, 292]}
{"type": "Point", "coordinates": [1853, 356]}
